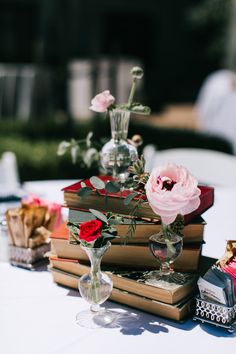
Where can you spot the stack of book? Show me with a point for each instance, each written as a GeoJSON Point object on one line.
{"type": "Point", "coordinates": [127, 264]}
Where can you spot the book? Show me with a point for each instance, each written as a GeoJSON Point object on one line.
{"type": "Point", "coordinates": [134, 281]}
{"type": "Point", "coordinates": [129, 255]}
{"type": "Point", "coordinates": [115, 201]}
{"type": "Point", "coordinates": [178, 312]}
{"type": "Point", "coordinates": [193, 232]}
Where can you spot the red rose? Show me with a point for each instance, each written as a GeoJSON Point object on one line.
{"type": "Point", "coordinates": [90, 230]}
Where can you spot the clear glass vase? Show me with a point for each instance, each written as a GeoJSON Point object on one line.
{"type": "Point", "coordinates": [95, 287]}
{"type": "Point", "coordinates": [166, 246]}
{"type": "Point", "coordinates": [117, 154]}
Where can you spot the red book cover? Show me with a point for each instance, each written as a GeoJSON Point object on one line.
{"type": "Point", "coordinates": [206, 201]}
{"type": "Point", "coordinates": [77, 186]}
{"type": "Point", "coordinates": [206, 197]}
{"type": "Point", "coordinates": [55, 258]}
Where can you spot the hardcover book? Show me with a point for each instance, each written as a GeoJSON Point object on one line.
{"type": "Point", "coordinates": [192, 232]}
{"type": "Point", "coordinates": [134, 281]}
{"type": "Point", "coordinates": [137, 256]}
{"type": "Point", "coordinates": [115, 201]}
{"type": "Point", "coordinates": [178, 312]}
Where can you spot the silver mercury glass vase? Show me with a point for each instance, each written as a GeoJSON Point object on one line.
{"type": "Point", "coordinates": [117, 154]}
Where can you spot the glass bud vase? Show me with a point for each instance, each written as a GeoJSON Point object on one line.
{"type": "Point", "coordinates": [166, 246]}
{"type": "Point", "coordinates": [117, 154]}
{"type": "Point", "coordinates": [95, 287]}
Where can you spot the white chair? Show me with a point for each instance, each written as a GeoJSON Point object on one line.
{"type": "Point", "coordinates": [210, 167]}
{"type": "Point", "coordinates": [9, 175]}
{"type": "Point", "coordinates": [212, 94]}
{"type": "Point", "coordinates": [225, 120]}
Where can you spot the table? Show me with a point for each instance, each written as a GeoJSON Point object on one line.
{"type": "Point", "coordinates": [38, 316]}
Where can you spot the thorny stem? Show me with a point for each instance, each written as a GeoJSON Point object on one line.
{"type": "Point", "coordinates": [132, 225]}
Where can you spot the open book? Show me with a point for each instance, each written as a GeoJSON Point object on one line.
{"type": "Point", "coordinates": [178, 312]}
{"type": "Point", "coordinates": [134, 281]}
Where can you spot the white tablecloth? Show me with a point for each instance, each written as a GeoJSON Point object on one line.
{"type": "Point", "coordinates": [38, 316]}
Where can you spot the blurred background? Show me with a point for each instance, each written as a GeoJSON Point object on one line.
{"type": "Point", "coordinates": [56, 55]}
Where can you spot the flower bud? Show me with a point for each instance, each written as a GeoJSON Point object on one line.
{"type": "Point", "coordinates": [137, 140]}
{"type": "Point", "coordinates": [137, 72]}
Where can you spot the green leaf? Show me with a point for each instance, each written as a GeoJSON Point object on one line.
{"type": "Point", "coordinates": [62, 148]}
{"type": "Point", "coordinates": [97, 192]}
{"type": "Point", "coordinates": [140, 109]}
{"type": "Point", "coordinates": [129, 197]}
{"type": "Point", "coordinates": [112, 230]}
{"type": "Point", "coordinates": [99, 242]}
{"type": "Point", "coordinates": [97, 182]}
{"type": "Point", "coordinates": [73, 228]}
{"type": "Point", "coordinates": [84, 192]}
{"type": "Point", "coordinates": [112, 187]}
{"type": "Point", "coordinates": [88, 139]}
{"type": "Point", "coordinates": [90, 156]}
{"type": "Point", "coordinates": [114, 222]}
{"type": "Point", "coordinates": [99, 215]}
{"type": "Point", "coordinates": [107, 235]}
{"type": "Point", "coordinates": [74, 152]}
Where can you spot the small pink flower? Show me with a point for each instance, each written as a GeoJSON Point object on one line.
{"type": "Point", "coordinates": [172, 190]}
{"type": "Point", "coordinates": [102, 101]}
{"type": "Point", "coordinates": [54, 210]}
{"type": "Point", "coordinates": [33, 200]}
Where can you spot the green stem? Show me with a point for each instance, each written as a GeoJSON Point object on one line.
{"type": "Point", "coordinates": [165, 230]}
{"type": "Point", "coordinates": [167, 237]}
{"type": "Point", "coordinates": [95, 286]}
{"type": "Point", "coordinates": [132, 91]}
{"type": "Point", "coordinates": [132, 224]}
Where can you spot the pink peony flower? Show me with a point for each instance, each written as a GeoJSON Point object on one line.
{"type": "Point", "coordinates": [172, 190]}
{"type": "Point", "coordinates": [102, 101]}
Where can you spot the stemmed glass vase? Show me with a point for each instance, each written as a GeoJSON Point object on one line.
{"type": "Point", "coordinates": [95, 287]}
{"type": "Point", "coordinates": [117, 154]}
{"type": "Point", "coordinates": [166, 246]}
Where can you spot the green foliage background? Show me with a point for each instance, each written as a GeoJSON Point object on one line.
{"type": "Point", "coordinates": [35, 144]}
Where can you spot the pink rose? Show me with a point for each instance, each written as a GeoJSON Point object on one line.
{"type": "Point", "coordinates": [172, 190]}
{"type": "Point", "coordinates": [102, 101]}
